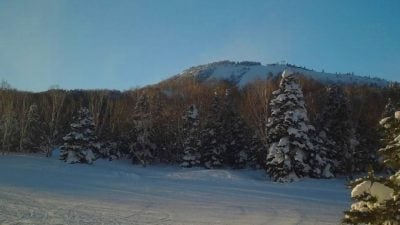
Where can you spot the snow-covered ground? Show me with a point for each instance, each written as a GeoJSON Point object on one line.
{"type": "Point", "coordinates": [38, 190]}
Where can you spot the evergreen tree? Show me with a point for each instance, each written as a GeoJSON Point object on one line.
{"type": "Point", "coordinates": [191, 143]}
{"type": "Point", "coordinates": [256, 156]}
{"type": "Point", "coordinates": [291, 153]}
{"type": "Point", "coordinates": [391, 153]}
{"type": "Point", "coordinates": [9, 129]}
{"type": "Point", "coordinates": [34, 139]}
{"type": "Point", "coordinates": [110, 142]}
{"type": "Point", "coordinates": [366, 143]}
{"type": "Point", "coordinates": [212, 144]}
{"type": "Point", "coordinates": [387, 122]}
{"type": "Point", "coordinates": [377, 199]}
{"type": "Point", "coordinates": [336, 131]}
{"type": "Point", "coordinates": [142, 147]}
{"type": "Point", "coordinates": [390, 109]}
{"type": "Point", "coordinates": [235, 133]}
{"type": "Point", "coordinates": [322, 165]}
{"type": "Point", "coordinates": [80, 145]}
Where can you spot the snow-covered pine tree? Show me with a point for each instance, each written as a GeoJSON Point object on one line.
{"type": "Point", "coordinates": [391, 153]}
{"type": "Point", "coordinates": [323, 166]}
{"type": "Point", "coordinates": [212, 145]}
{"type": "Point", "coordinates": [235, 133]}
{"type": "Point", "coordinates": [387, 121]}
{"type": "Point", "coordinates": [142, 147]}
{"type": "Point", "coordinates": [336, 130]}
{"type": "Point", "coordinates": [390, 109]}
{"type": "Point", "coordinates": [80, 144]}
{"type": "Point", "coordinates": [34, 139]}
{"type": "Point", "coordinates": [291, 153]}
{"type": "Point", "coordinates": [377, 199]}
{"type": "Point", "coordinates": [191, 140]}
{"type": "Point", "coordinates": [365, 145]}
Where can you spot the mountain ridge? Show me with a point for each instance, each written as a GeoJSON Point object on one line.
{"type": "Point", "coordinates": [244, 72]}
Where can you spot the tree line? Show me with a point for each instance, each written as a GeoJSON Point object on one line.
{"type": "Point", "coordinates": [206, 124]}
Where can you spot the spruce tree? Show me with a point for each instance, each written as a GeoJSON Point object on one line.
{"type": "Point", "coordinates": [191, 142]}
{"type": "Point", "coordinates": [321, 164]}
{"type": "Point", "coordinates": [336, 131]}
{"type": "Point", "coordinates": [236, 135]}
{"type": "Point", "coordinates": [387, 121]}
{"type": "Point", "coordinates": [142, 146]}
{"type": "Point", "coordinates": [80, 144]}
{"type": "Point", "coordinates": [257, 153]}
{"type": "Point", "coordinates": [391, 153]}
{"type": "Point", "coordinates": [377, 199]}
{"type": "Point", "coordinates": [110, 141]}
{"type": "Point", "coordinates": [9, 129]}
{"type": "Point", "coordinates": [34, 139]}
{"type": "Point", "coordinates": [291, 153]}
{"type": "Point", "coordinates": [390, 109]}
{"type": "Point", "coordinates": [366, 142]}
{"type": "Point", "coordinates": [212, 144]}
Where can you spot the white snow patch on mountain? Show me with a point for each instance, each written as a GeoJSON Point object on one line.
{"type": "Point", "coordinates": [244, 72]}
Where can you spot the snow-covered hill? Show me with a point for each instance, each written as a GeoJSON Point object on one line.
{"type": "Point", "coordinates": [244, 72]}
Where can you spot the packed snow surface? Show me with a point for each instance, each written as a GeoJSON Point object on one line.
{"type": "Point", "coordinates": [38, 190]}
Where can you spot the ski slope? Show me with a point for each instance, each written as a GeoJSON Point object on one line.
{"type": "Point", "coordinates": [38, 190]}
{"type": "Point", "coordinates": [243, 73]}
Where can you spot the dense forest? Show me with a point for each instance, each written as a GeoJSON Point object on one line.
{"type": "Point", "coordinates": [193, 123]}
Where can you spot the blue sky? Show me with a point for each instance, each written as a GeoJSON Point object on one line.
{"type": "Point", "coordinates": [119, 44]}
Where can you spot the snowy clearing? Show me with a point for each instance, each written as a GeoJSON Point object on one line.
{"type": "Point", "coordinates": [37, 190]}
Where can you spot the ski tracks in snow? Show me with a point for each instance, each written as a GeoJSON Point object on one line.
{"type": "Point", "coordinates": [43, 191]}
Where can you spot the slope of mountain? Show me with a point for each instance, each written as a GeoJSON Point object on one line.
{"type": "Point", "coordinates": [244, 72]}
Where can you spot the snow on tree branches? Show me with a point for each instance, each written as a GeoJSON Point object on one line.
{"type": "Point", "coordinates": [142, 147]}
{"type": "Point", "coordinates": [191, 143]}
{"type": "Point", "coordinates": [212, 144]}
{"type": "Point", "coordinates": [377, 199]}
{"type": "Point", "coordinates": [80, 145]}
{"type": "Point", "coordinates": [291, 152]}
